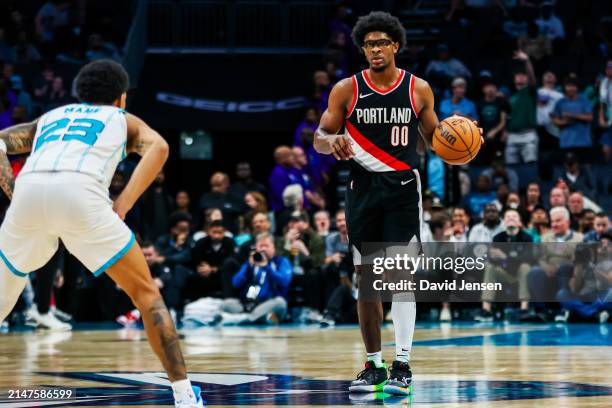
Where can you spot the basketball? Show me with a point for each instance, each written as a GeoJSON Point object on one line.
{"type": "Point", "coordinates": [457, 140]}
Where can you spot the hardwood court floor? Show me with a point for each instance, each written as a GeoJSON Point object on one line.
{"type": "Point", "coordinates": [459, 365]}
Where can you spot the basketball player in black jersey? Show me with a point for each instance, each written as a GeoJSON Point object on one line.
{"type": "Point", "coordinates": [385, 111]}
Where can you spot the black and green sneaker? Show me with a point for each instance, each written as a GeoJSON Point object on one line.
{"type": "Point", "coordinates": [371, 379]}
{"type": "Point", "coordinates": [400, 379]}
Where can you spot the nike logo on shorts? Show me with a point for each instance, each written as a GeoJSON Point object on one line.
{"type": "Point", "coordinates": [406, 181]}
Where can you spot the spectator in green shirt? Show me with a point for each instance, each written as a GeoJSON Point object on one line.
{"type": "Point", "coordinates": [522, 139]}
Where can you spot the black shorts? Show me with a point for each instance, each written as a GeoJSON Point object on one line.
{"type": "Point", "coordinates": [382, 208]}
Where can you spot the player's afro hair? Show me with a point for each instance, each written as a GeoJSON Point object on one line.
{"type": "Point", "coordinates": [379, 21]}
{"type": "Point", "coordinates": [101, 82]}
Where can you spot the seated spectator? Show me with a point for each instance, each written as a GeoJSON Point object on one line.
{"type": "Point", "coordinates": [169, 280]}
{"type": "Point", "coordinates": [57, 96]}
{"type": "Point", "coordinates": [322, 223]}
{"type": "Point", "coordinates": [256, 201]}
{"type": "Point", "coordinates": [8, 102]}
{"type": "Point", "coordinates": [293, 200]}
{"type": "Point", "coordinates": [493, 110]}
{"type": "Point", "coordinates": [586, 294]}
{"type": "Point", "coordinates": [98, 48]}
{"type": "Point", "coordinates": [557, 197]}
{"type": "Point", "coordinates": [263, 282]}
{"type": "Point", "coordinates": [156, 207]}
{"type": "Point", "coordinates": [23, 97]}
{"type": "Point", "coordinates": [244, 182]}
{"type": "Point", "coordinates": [507, 264]}
{"type": "Point", "coordinates": [260, 223]}
{"type": "Point", "coordinates": [220, 198]}
{"type": "Point", "coordinates": [310, 121]}
{"type": "Point", "coordinates": [575, 206]}
{"type": "Point", "coordinates": [535, 44]}
{"type": "Point", "coordinates": [490, 226]}
{"type": "Point", "coordinates": [476, 200]}
{"type": "Point", "coordinates": [43, 85]}
{"type": "Point", "coordinates": [210, 215]}
{"type": "Point", "coordinates": [533, 196]}
{"type": "Point", "coordinates": [555, 261]}
{"type": "Point", "coordinates": [601, 226]}
{"type": "Point", "coordinates": [305, 250]}
{"type": "Point", "coordinates": [25, 52]}
{"type": "Point", "coordinates": [312, 195]}
{"type": "Point", "coordinates": [174, 247]}
{"type": "Point", "coordinates": [460, 225]}
{"type": "Point", "coordinates": [338, 268]}
{"type": "Point", "coordinates": [522, 138]}
{"type": "Point", "coordinates": [549, 24]}
{"type": "Point", "coordinates": [573, 115]}
{"type": "Point", "coordinates": [500, 174]}
{"type": "Point", "coordinates": [281, 176]}
{"type": "Point", "coordinates": [458, 104]}
{"type": "Point", "coordinates": [182, 202]}
{"type": "Point", "coordinates": [207, 256]}
{"type": "Point", "coordinates": [320, 166]}
{"type": "Point", "coordinates": [515, 27]}
{"type": "Point", "coordinates": [443, 68]}
{"type": "Point", "coordinates": [577, 177]}
{"type": "Point", "coordinates": [322, 88]}
{"type": "Point", "coordinates": [586, 221]}
{"type": "Point", "coordinates": [538, 223]}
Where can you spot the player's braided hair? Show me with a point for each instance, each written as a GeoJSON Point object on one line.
{"type": "Point", "coordinates": [379, 21]}
{"type": "Point", "coordinates": [102, 81]}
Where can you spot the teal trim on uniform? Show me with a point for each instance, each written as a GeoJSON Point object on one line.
{"type": "Point", "coordinates": [11, 267]}
{"type": "Point", "coordinates": [115, 258]}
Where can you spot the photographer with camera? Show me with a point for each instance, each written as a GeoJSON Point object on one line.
{"type": "Point", "coordinates": [263, 282]}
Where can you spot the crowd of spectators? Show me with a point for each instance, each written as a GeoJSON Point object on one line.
{"type": "Point", "coordinates": [278, 251]}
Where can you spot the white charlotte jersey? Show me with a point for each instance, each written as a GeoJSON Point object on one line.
{"type": "Point", "coordinates": [89, 139]}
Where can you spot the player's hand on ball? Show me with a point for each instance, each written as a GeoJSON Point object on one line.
{"type": "Point", "coordinates": [341, 148]}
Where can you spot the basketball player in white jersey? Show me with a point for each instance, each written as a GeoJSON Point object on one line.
{"type": "Point", "coordinates": [62, 192]}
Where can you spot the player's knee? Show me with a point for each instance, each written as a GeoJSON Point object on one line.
{"type": "Point", "coordinates": [144, 296]}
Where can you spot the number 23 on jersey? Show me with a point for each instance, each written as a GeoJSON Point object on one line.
{"type": "Point", "coordinates": [81, 129]}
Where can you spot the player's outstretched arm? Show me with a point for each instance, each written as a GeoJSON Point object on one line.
{"type": "Point", "coordinates": [428, 120]}
{"type": "Point", "coordinates": [154, 151]}
{"type": "Point", "coordinates": [17, 139]}
{"type": "Point", "coordinates": [326, 139]}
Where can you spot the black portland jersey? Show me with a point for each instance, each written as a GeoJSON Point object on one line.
{"type": "Point", "coordinates": [383, 125]}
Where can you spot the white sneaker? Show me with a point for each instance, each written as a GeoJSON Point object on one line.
{"type": "Point", "coordinates": [61, 315]}
{"type": "Point", "coordinates": [32, 316]}
{"type": "Point", "coordinates": [233, 319]}
{"type": "Point", "coordinates": [48, 321]}
{"type": "Point", "coordinates": [188, 404]}
{"type": "Point", "coordinates": [445, 315]}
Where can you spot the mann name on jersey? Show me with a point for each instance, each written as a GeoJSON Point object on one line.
{"type": "Point", "coordinates": [383, 115]}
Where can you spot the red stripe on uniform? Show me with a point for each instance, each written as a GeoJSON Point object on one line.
{"type": "Point", "coordinates": [414, 107]}
{"type": "Point", "coordinates": [354, 101]}
{"type": "Point", "coordinates": [374, 150]}
{"type": "Point", "coordinates": [386, 91]}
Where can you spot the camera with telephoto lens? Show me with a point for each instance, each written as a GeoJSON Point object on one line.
{"type": "Point", "coordinates": [258, 257]}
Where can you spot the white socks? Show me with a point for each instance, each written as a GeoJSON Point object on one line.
{"type": "Point", "coordinates": [404, 317]}
{"type": "Point", "coordinates": [376, 358]}
{"type": "Point", "coordinates": [183, 392]}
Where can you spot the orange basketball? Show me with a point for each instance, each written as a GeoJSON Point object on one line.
{"type": "Point", "coordinates": [457, 140]}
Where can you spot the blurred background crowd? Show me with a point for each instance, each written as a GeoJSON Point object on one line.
{"type": "Point", "coordinates": [537, 75]}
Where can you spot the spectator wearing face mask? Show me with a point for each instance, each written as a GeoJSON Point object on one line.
{"type": "Point", "coordinates": [490, 226]}
{"type": "Point", "coordinates": [509, 263]}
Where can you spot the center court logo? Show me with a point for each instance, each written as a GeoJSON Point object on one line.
{"type": "Point", "coordinates": [152, 388]}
